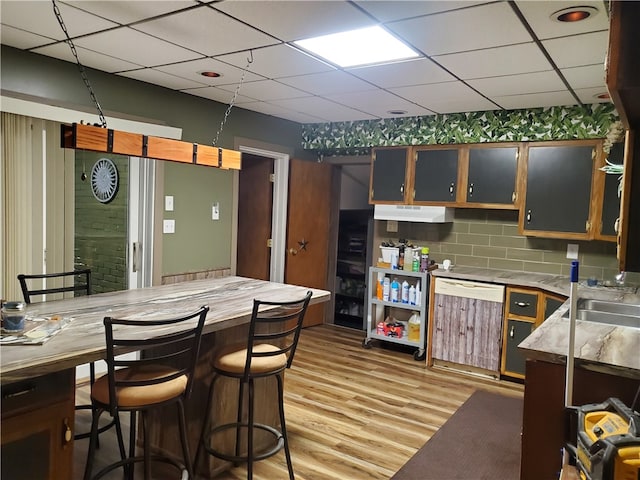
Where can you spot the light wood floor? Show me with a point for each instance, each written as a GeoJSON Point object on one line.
{"type": "Point", "coordinates": [352, 414]}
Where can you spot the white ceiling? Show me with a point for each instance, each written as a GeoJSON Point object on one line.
{"type": "Point", "coordinates": [475, 55]}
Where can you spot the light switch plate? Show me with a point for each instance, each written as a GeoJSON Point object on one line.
{"type": "Point", "coordinates": [169, 226]}
{"type": "Point", "coordinates": [572, 251]}
{"type": "Point", "coordinates": [168, 203]}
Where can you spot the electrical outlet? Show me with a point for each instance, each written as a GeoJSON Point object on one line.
{"type": "Point", "coordinates": [169, 226]}
{"type": "Point", "coordinates": [215, 211]}
{"type": "Point", "coordinates": [392, 225]}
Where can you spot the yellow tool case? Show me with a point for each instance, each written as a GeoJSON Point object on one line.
{"type": "Point", "coordinates": [604, 440]}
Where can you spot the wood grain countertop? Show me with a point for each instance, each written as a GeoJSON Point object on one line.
{"type": "Point", "coordinates": [230, 300]}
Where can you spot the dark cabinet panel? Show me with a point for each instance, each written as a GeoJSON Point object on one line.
{"type": "Point", "coordinates": [517, 331]}
{"type": "Point", "coordinates": [611, 201]}
{"type": "Point", "coordinates": [551, 304]}
{"type": "Point", "coordinates": [492, 175]}
{"type": "Point", "coordinates": [558, 192]}
{"type": "Point", "coordinates": [436, 175]}
{"type": "Point", "coordinates": [523, 304]}
{"type": "Point", "coordinates": [388, 174]}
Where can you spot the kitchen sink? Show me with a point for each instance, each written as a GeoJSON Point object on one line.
{"type": "Point", "coordinates": [599, 311]}
{"type": "Point", "coordinates": [609, 307]}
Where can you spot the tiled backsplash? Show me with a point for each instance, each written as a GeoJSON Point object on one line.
{"type": "Point", "coordinates": [490, 239]}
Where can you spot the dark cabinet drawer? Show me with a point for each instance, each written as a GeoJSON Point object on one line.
{"type": "Point", "coordinates": [523, 304]}
{"type": "Point", "coordinates": [37, 392]}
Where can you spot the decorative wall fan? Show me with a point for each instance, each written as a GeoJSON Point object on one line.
{"type": "Point", "coordinates": [104, 180]}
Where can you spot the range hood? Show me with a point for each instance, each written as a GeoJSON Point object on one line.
{"type": "Point", "coordinates": [413, 213]}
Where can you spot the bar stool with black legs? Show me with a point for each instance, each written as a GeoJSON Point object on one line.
{"type": "Point", "coordinates": [273, 337]}
{"type": "Point", "coordinates": [81, 284]}
{"type": "Point", "coordinates": [162, 374]}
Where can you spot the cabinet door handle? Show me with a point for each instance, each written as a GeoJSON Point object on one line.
{"type": "Point", "coordinates": [402, 188]}
{"type": "Point", "coordinates": [522, 304]}
{"type": "Point", "coordinates": [451, 187]}
{"type": "Point", "coordinates": [68, 434]}
{"type": "Point", "coordinates": [616, 225]}
{"type": "Point", "coordinates": [24, 391]}
{"type": "Point", "coordinates": [471, 189]}
{"type": "Point", "coordinates": [528, 216]}
{"type": "Point", "coordinates": [513, 197]}
{"type": "Point", "coordinates": [511, 331]}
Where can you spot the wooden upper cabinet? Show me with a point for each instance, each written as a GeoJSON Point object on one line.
{"type": "Point", "coordinates": [608, 207]}
{"type": "Point", "coordinates": [491, 176]}
{"type": "Point", "coordinates": [389, 175]}
{"type": "Point", "coordinates": [558, 191]}
{"type": "Point", "coordinates": [435, 175]}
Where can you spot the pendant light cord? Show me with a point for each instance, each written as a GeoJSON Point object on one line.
{"type": "Point", "coordinates": [83, 72]}
{"type": "Point", "coordinates": [233, 100]}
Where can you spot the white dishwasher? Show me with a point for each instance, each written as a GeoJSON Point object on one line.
{"type": "Point", "coordinates": [467, 324]}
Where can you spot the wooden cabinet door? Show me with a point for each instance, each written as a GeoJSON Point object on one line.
{"type": "Point", "coordinates": [558, 190]}
{"type": "Point", "coordinates": [492, 175]}
{"type": "Point", "coordinates": [388, 175]}
{"type": "Point", "coordinates": [435, 175]}
{"type": "Point", "coordinates": [611, 200]}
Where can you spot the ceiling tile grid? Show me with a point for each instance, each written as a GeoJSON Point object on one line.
{"type": "Point", "coordinates": [474, 55]}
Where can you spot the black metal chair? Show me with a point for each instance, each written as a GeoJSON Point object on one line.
{"type": "Point", "coordinates": [81, 284]}
{"type": "Point", "coordinates": [273, 337]}
{"type": "Point", "coordinates": [162, 375]}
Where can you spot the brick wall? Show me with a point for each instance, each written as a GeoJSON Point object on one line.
{"type": "Point", "coordinates": [101, 229]}
{"type": "Point", "coordinates": [489, 239]}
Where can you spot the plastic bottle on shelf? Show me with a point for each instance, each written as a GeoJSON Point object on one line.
{"type": "Point", "coordinates": [415, 264]}
{"type": "Point", "coordinates": [395, 291]}
{"type": "Point", "coordinates": [405, 292]}
{"type": "Point", "coordinates": [412, 295]}
{"type": "Point", "coordinates": [414, 327]}
{"type": "Point", "coordinates": [379, 289]}
{"type": "Point", "coordinates": [424, 259]}
{"type": "Point", "coordinates": [418, 294]}
{"type": "Point", "coordinates": [385, 289]}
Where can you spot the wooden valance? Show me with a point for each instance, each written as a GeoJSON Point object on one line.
{"type": "Point", "coordinates": [98, 139]}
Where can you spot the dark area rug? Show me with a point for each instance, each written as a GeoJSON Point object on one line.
{"type": "Point", "coordinates": [480, 441]}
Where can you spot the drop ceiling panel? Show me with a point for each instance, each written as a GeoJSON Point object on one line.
{"type": "Point", "coordinates": [267, 90]}
{"type": "Point", "coordinates": [463, 30]}
{"type": "Point", "coordinates": [579, 50]}
{"type": "Point", "coordinates": [22, 39]}
{"type": "Point", "coordinates": [217, 94]}
{"type": "Point", "coordinates": [38, 17]}
{"type": "Point", "coordinates": [206, 31]}
{"type": "Point", "coordinates": [295, 20]}
{"type": "Point", "coordinates": [229, 75]}
{"type": "Point", "coordinates": [496, 62]}
{"type": "Point", "coordinates": [390, 10]}
{"type": "Point", "coordinates": [590, 95]}
{"type": "Point", "coordinates": [125, 12]}
{"type": "Point", "coordinates": [400, 74]}
{"type": "Point", "coordinates": [589, 76]}
{"type": "Point", "coordinates": [445, 97]}
{"type": "Point", "coordinates": [88, 58]}
{"type": "Point", "coordinates": [277, 62]}
{"type": "Point", "coordinates": [157, 77]}
{"type": "Point", "coordinates": [534, 100]}
{"type": "Point", "coordinates": [379, 103]}
{"type": "Point", "coordinates": [327, 83]}
{"type": "Point", "coordinates": [538, 14]}
{"type": "Point", "coordinates": [324, 109]}
{"type": "Point", "coordinates": [518, 84]}
{"type": "Point", "coordinates": [149, 51]}
{"type": "Point", "coordinates": [280, 112]}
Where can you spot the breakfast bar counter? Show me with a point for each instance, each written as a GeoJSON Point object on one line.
{"type": "Point", "coordinates": [38, 381]}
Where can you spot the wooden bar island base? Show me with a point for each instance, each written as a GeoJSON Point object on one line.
{"type": "Point", "coordinates": [38, 381]}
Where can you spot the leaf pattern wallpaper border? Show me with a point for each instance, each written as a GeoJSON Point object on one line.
{"type": "Point", "coordinates": [538, 124]}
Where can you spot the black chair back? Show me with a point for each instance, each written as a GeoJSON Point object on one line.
{"type": "Point", "coordinates": [277, 324]}
{"type": "Point", "coordinates": [178, 349]}
{"type": "Point", "coordinates": [81, 283]}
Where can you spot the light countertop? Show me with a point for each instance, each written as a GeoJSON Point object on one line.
{"type": "Point", "coordinates": [607, 348]}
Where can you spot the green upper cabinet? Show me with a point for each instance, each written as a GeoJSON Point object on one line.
{"type": "Point", "coordinates": [559, 190]}
{"type": "Point", "coordinates": [492, 176]}
{"type": "Point", "coordinates": [610, 200]}
{"type": "Point", "coordinates": [389, 175]}
{"type": "Point", "coordinates": [435, 175]}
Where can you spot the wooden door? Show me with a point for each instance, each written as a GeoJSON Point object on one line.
{"type": "Point", "coordinates": [255, 207]}
{"type": "Point", "coordinates": [310, 229]}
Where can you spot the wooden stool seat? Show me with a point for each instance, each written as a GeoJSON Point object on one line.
{"type": "Point", "coordinates": [233, 359]}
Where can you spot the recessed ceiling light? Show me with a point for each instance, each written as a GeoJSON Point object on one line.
{"type": "Point", "coordinates": [210, 74]}
{"type": "Point", "coordinates": [396, 112]}
{"type": "Point", "coordinates": [603, 96]}
{"type": "Point", "coordinates": [365, 46]}
{"type": "Point", "coordinates": [574, 14]}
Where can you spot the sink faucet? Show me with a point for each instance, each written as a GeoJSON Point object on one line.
{"type": "Point", "coordinates": [620, 278]}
